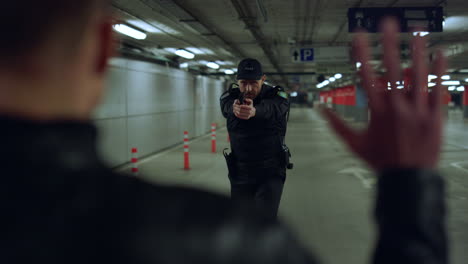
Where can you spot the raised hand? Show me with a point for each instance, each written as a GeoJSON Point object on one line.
{"type": "Point", "coordinates": [405, 128]}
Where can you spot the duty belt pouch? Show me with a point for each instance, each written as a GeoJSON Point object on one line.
{"type": "Point", "coordinates": [287, 157]}
{"type": "Point", "coordinates": [231, 163]}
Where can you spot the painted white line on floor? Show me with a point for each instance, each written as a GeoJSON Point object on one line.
{"type": "Point", "coordinates": [457, 145]}
{"type": "Point", "coordinates": [358, 173]}
{"type": "Point", "coordinates": [175, 148]}
{"type": "Point", "coordinates": [458, 166]}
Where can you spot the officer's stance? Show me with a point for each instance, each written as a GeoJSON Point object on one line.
{"type": "Point", "coordinates": [256, 120]}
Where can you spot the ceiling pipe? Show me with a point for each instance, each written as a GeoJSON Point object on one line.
{"type": "Point", "coordinates": [234, 49]}
{"type": "Point", "coordinates": [250, 22]}
{"type": "Point", "coordinates": [263, 11]}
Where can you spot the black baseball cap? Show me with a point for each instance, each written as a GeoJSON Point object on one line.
{"type": "Point", "coordinates": [249, 69]}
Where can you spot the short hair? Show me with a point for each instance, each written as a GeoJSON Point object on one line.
{"type": "Point", "coordinates": [27, 23]}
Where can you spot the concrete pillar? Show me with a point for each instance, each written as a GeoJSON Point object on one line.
{"type": "Point", "coordinates": [465, 104]}
{"type": "Point", "coordinates": [361, 110]}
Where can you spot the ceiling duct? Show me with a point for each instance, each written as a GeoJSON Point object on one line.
{"type": "Point", "coordinates": [195, 24]}
{"type": "Point", "coordinates": [251, 24]}
{"type": "Point", "coordinates": [175, 10]}
{"type": "Point", "coordinates": [186, 16]}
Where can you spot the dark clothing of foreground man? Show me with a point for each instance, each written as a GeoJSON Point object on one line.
{"type": "Point", "coordinates": [60, 204]}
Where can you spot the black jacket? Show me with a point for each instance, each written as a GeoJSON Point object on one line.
{"type": "Point", "coordinates": [261, 137]}
{"type": "Point", "coordinates": [60, 204]}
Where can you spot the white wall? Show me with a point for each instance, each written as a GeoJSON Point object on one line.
{"type": "Point", "coordinates": [149, 106]}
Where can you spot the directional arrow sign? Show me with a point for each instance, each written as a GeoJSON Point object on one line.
{"type": "Point", "coordinates": [359, 174]}
{"type": "Point", "coordinates": [296, 55]}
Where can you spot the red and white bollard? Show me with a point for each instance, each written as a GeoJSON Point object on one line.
{"type": "Point", "coordinates": [134, 161]}
{"type": "Point", "coordinates": [213, 138]}
{"type": "Point", "coordinates": [186, 151]}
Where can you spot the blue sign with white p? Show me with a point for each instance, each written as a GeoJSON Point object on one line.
{"type": "Point", "coordinates": [307, 54]}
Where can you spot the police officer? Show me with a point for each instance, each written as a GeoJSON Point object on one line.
{"type": "Point", "coordinates": [256, 120]}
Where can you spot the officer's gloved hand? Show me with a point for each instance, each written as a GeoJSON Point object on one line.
{"type": "Point", "coordinates": [245, 111]}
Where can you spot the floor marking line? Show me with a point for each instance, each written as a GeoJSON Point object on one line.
{"type": "Point", "coordinates": [457, 165]}
{"type": "Point", "coordinates": [358, 173]}
{"type": "Point", "coordinates": [457, 145]}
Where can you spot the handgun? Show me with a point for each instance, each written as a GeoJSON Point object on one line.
{"type": "Point", "coordinates": [241, 98]}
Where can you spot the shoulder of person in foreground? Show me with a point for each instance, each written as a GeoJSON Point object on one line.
{"type": "Point", "coordinates": [166, 224]}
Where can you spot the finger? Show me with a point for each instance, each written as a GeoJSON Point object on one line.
{"type": "Point", "coordinates": [249, 101]}
{"type": "Point", "coordinates": [418, 90]}
{"type": "Point", "coordinates": [236, 102]}
{"type": "Point", "coordinates": [350, 137]}
{"type": "Point", "coordinates": [245, 107]}
{"type": "Point", "coordinates": [391, 57]}
{"type": "Point", "coordinates": [244, 111]}
{"type": "Point", "coordinates": [243, 116]}
{"type": "Point", "coordinates": [362, 54]}
{"type": "Point", "coordinates": [439, 69]}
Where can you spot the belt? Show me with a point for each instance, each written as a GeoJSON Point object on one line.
{"type": "Point", "coordinates": [267, 163]}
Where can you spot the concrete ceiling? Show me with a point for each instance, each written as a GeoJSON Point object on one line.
{"type": "Point", "coordinates": [225, 31]}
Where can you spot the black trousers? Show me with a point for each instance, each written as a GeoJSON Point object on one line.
{"type": "Point", "coordinates": [260, 187]}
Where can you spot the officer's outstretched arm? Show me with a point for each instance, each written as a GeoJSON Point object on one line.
{"type": "Point", "coordinates": [226, 102]}
{"type": "Point", "coordinates": [274, 109]}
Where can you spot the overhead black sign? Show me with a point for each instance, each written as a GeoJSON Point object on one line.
{"type": "Point", "coordinates": [428, 19]}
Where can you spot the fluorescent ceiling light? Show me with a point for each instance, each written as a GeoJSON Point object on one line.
{"type": "Point", "coordinates": [229, 72]}
{"type": "Point", "coordinates": [451, 83]}
{"type": "Point", "coordinates": [338, 76]}
{"type": "Point", "coordinates": [431, 76]}
{"type": "Point", "coordinates": [129, 31]}
{"type": "Point", "coordinates": [212, 65]}
{"type": "Point", "coordinates": [461, 89]}
{"type": "Point", "coordinates": [420, 33]}
{"type": "Point", "coordinates": [326, 82]}
{"type": "Point", "coordinates": [332, 79]}
{"type": "Point", "coordinates": [446, 77]}
{"type": "Point", "coordinates": [400, 87]}
{"type": "Point", "coordinates": [431, 84]}
{"type": "Point", "coordinates": [185, 54]}
{"type": "Point", "coordinates": [183, 65]}
{"type": "Point", "coordinates": [452, 88]}
{"type": "Point", "coordinates": [358, 65]}
{"type": "Point", "coordinates": [143, 25]}
{"type": "Point", "coordinates": [463, 70]}
{"type": "Point", "coordinates": [194, 50]}
{"type": "Point", "coordinates": [224, 62]}
{"type": "Point", "coordinates": [199, 51]}
{"type": "Point", "coordinates": [293, 94]}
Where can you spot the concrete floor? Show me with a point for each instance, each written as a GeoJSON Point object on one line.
{"type": "Point", "coordinates": [328, 197]}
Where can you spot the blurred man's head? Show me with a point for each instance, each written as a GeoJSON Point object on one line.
{"type": "Point", "coordinates": [53, 57]}
{"type": "Point", "coordinates": [250, 77]}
